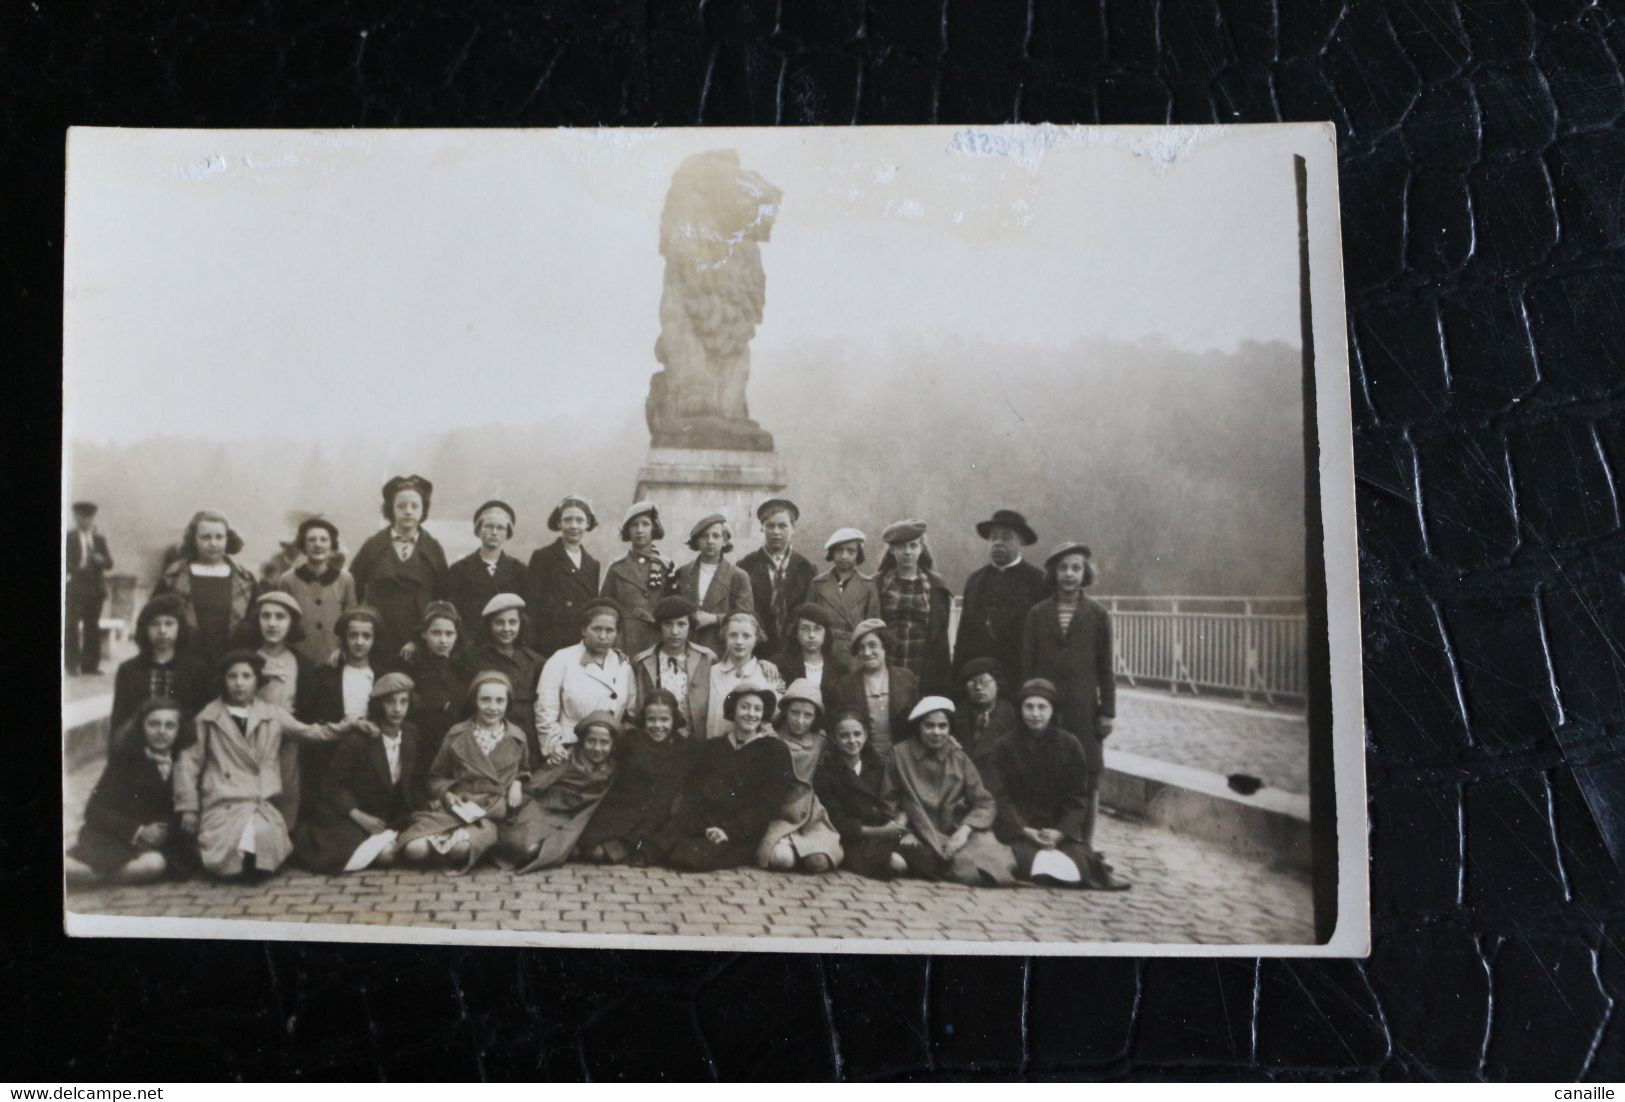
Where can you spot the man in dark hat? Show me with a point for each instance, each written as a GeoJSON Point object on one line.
{"type": "Point", "coordinates": [780, 577]}
{"type": "Point", "coordinates": [998, 595]}
{"type": "Point", "coordinates": [88, 561]}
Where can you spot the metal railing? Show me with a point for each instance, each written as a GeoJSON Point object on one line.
{"type": "Point", "coordinates": [1247, 646]}
{"type": "Point", "coordinates": [1252, 647]}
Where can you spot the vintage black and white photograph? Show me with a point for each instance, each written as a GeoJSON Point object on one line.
{"type": "Point", "coordinates": [915, 539]}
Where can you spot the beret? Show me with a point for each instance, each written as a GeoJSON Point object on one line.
{"type": "Point", "coordinates": [902, 531]}
{"type": "Point", "coordinates": [638, 508]}
{"type": "Point", "coordinates": [502, 602]}
{"type": "Point", "coordinates": [844, 535]}
{"type": "Point", "coordinates": [705, 522]}
{"type": "Point", "coordinates": [390, 684]}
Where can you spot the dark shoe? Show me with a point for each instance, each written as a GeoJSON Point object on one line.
{"type": "Point", "coordinates": [1106, 882]}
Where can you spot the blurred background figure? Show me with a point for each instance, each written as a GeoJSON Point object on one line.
{"type": "Point", "coordinates": [88, 561]}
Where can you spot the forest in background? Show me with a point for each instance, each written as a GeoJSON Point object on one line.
{"type": "Point", "coordinates": [1183, 471]}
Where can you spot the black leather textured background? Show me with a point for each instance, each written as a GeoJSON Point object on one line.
{"type": "Point", "coordinates": [1482, 175]}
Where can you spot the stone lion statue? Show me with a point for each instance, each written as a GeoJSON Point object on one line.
{"type": "Point", "coordinates": [716, 217]}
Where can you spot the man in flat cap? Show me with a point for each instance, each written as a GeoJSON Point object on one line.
{"type": "Point", "coordinates": [88, 561]}
{"type": "Point", "coordinates": [998, 595]}
{"type": "Point", "coordinates": [780, 576]}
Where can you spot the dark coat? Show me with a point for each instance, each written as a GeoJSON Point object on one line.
{"type": "Point", "coordinates": [1000, 723]}
{"type": "Point", "coordinates": [555, 590]}
{"type": "Point", "coordinates": [649, 777]}
{"type": "Point", "coordinates": [439, 699]}
{"type": "Point", "coordinates": [1079, 663]}
{"type": "Point", "coordinates": [936, 672]}
{"type": "Point", "coordinates": [792, 667]}
{"type": "Point", "coordinates": [325, 702]}
{"type": "Point", "coordinates": [400, 591]}
{"type": "Point", "coordinates": [740, 791]}
{"type": "Point", "coordinates": [1040, 781]}
{"type": "Point", "coordinates": [994, 615]}
{"type": "Point", "coordinates": [130, 794]}
{"type": "Point", "coordinates": [798, 578]}
{"type": "Point", "coordinates": [190, 679]}
{"type": "Point", "coordinates": [88, 580]}
{"type": "Point", "coordinates": [358, 780]}
{"type": "Point", "coordinates": [646, 675]}
{"type": "Point", "coordinates": [177, 579]}
{"type": "Point", "coordinates": [847, 692]}
{"type": "Point", "coordinates": [854, 801]}
{"type": "Point", "coordinates": [470, 586]}
{"type": "Point", "coordinates": [729, 592]}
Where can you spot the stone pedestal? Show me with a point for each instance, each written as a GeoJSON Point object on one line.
{"type": "Point", "coordinates": [688, 483]}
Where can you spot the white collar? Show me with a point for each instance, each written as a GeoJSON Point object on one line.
{"type": "Point", "coordinates": [1017, 561]}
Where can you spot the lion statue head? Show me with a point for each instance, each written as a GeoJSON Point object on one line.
{"type": "Point", "coordinates": [716, 217]}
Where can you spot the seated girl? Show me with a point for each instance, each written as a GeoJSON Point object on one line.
{"type": "Point", "coordinates": [227, 779]}
{"type": "Point", "coordinates": [560, 799]}
{"type": "Point", "coordinates": [130, 834]}
{"type": "Point", "coordinates": [950, 812]}
{"type": "Point", "coordinates": [1045, 793]}
{"type": "Point", "coordinates": [736, 785]}
{"type": "Point", "coordinates": [851, 783]}
{"type": "Point", "coordinates": [651, 762]}
{"type": "Point", "coordinates": [801, 835]}
{"type": "Point", "coordinates": [371, 788]}
{"type": "Point", "coordinates": [163, 667]}
{"type": "Point", "coordinates": [476, 781]}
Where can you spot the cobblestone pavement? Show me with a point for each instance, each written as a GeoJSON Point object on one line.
{"type": "Point", "coordinates": [1184, 891]}
{"type": "Point", "coordinates": [1216, 736]}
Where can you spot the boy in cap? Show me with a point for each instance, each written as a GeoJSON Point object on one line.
{"type": "Point", "coordinates": [780, 577]}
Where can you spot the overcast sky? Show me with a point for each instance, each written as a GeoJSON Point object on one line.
{"type": "Point", "coordinates": [388, 283]}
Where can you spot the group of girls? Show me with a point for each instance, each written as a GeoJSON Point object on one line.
{"type": "Point", "coordinates": [407, 711]}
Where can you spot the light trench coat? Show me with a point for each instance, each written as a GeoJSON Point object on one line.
{"type": "Point", "coordinates": [571, 689]}
{"type": "Point", "coordinates": [230, 778]}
